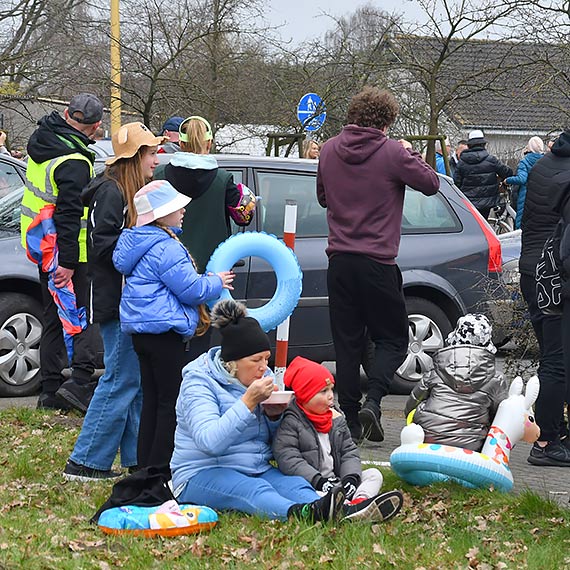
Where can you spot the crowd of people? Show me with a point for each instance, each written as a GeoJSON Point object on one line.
{"type": "Point", "coordinates": [134, 241]}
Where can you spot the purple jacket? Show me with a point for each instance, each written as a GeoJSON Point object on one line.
{"type": "Point", "coordinates": [361, 181]}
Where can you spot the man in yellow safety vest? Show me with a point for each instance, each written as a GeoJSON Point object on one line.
{"type": "Point", "coordinates": [59, 166]}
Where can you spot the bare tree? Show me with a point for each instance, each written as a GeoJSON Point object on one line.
{"type": "Point", "coordinates": [191, 57]}
{"type": "Point", "coordinates": [549, 23]}
{"type": "Point", "coordinates": [428, 52]}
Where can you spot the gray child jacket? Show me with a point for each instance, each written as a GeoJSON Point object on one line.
{"type": "Point", "coordinates": [297, 451]}
{"type": "Point", "coordinates": [457, 400]}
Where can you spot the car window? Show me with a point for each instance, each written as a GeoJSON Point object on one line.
{"type": "Point", "coordinates": [274, 188]}
{"type": "Point", "coordinates": [428, 214]}
{"type": "Point", "coordinates": [237, 174]}
{"type": "Point", "coordinates": [9, 179]}
{"type": "Point", "coordinates": [10, 209]}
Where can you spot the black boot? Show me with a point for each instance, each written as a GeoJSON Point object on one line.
{"type": "Point", "coordinates": [327, 508]}
{"type": "Point", "coordinates": [77, 394]}
{"type": "Point", "coordinates": [369, 417]}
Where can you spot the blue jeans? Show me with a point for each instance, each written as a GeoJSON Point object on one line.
{"type": "Point", "coordinates": [113, 417]}
{"type": "Point", "coordinates": [270, 494]}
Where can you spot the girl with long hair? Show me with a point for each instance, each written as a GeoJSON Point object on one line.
{"type": "Point", "coordinates": [113, 415]}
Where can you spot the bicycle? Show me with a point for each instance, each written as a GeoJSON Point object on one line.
{"type": "Point", "coordinates": [503, 215]}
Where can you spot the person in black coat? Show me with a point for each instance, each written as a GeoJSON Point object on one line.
{"type": "Point", "coordinates": [477, 174]}
{"type": "Point", "coordinates": [541, 214]}
{"type": "Point", "coordinates": [562, 180]}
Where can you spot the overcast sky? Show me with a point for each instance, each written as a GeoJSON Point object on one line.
{"type": "Point", "coordinates": [303, 19]}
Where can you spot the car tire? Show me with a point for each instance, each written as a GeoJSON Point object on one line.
{"type": "Point", "coordinates": [428, 326]}
{"type": "Point", "coordinates": [20, 333]}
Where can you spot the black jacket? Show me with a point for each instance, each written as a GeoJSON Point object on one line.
{"type": "Point", "coordinates": [476, 176]}
{"type": "Point", "coordinates": [542, 202]}
{"type": "Point", "coordinates": [54, 138]}
{"type": "Point", "coordinates": [562, 181]}
{"type": "Point", "coordinates": [107, 215]}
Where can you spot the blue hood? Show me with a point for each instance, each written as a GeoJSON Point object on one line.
{"type": "Point", "coordinates": [135, 243]}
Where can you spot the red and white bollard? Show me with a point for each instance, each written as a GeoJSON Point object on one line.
{"type": "Point", "coordinates": [282, 345]}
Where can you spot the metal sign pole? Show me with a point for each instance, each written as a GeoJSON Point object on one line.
{"type": "Point", "coordinates": [282, 345]}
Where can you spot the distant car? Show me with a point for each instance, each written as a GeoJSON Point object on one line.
{"type": "Point", "coordinates": [448, 255]}
{"type": "Point", "coordinates": [102, 148]}
{"type": "Point", "coordinates": [20, 295]}
{"type": "Point", "coordinates": [511, 250]}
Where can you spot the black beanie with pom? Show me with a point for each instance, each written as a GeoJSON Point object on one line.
{"type": "Point", "coordinates": [241, 335]}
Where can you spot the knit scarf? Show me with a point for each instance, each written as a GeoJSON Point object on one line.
{"type": "Point", "coordinates": [322, 422]}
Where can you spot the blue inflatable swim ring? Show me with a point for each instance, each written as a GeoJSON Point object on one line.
{"type": "Point", "coordinates": [282, 260]}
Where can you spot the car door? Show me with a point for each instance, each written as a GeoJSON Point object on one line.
{"type": "Point", "coordinates": [310, 327]}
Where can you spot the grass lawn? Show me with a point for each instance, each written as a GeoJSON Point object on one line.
{"type": "Point", "coordinates": [44, 523]}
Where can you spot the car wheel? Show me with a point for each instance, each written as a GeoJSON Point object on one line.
{"type": "Point", "coordinates": [20, 333]}
{"type": "Point", "coordinates": [428, 328]}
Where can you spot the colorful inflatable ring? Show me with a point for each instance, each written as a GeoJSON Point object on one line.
{"type": "Point", "coordinates": [279, 256]}
{"type": "Point", "coordinates": [425, 463]}
{"type": "Point", "coordinates": [135, 520]}
{"type": "Point", "coordinates": [421, 463]}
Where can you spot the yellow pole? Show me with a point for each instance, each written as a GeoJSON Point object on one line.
{"type": "Point", "coordinates": [115, 68]}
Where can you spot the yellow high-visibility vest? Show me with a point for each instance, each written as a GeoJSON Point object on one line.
{"type": "Point", "coordinates": [41, 189]}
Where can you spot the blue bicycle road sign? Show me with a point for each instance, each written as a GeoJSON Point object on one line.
{"type": "Point", "coordinates": [311, 112]}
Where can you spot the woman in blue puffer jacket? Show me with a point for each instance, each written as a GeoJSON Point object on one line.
{"type": "Point", "coordinates": [224, 430]}
{"type": "Point", "coordinates": [161, 307]}
{"type": "Point", "coordinates": [533, 151]}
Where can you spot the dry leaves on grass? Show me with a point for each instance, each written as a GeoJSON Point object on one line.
{"type": "Point", "coordinates": [83, 545]}
{"type": "Point", "coordinates": [199, 548]}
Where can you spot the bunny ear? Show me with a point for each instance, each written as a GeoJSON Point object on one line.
{"type": "Point", "coordinates": [516, 387]}
{"type": "Point", "coordinates": [531, 392]}
{"type": "Point", "coordinates": [123, 134]}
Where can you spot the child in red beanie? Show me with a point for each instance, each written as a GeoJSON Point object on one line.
{"type": "Point", "coordinates": [314, 442]}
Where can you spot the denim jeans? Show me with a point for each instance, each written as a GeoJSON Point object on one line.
{"type": "Point", "coordinates": [270, 494]}
{"type": "Point", "coordinates": [113, 417]}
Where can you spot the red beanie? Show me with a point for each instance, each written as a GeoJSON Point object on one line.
{"type": "Point", "coordinates": [306, 378]}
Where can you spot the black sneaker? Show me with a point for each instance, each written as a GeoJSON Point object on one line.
{"type": "Point", "coordinates": [565, 441]}
{"type": "Point", "coordinates": [75, 472]}
{"type": "Point", "coordinates": [327, 508]}
{"type": "Point", "coordinates": [377, 509]}
{"type": "Point", "coordinates": [77, 395]}
{"type": "Point", "coordinates": [47, 401]}
{"type": "Point", "coordinates": [553, 453]}
{"type": "Point", "coordinates": [369, 417]}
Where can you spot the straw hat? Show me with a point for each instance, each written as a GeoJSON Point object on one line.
{"type": "Point", "coordinates": [129, 138]}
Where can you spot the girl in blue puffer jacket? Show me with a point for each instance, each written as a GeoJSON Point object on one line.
{"type": "Point", "coordinates": [162, 308]}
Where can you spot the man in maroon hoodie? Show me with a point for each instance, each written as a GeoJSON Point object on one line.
{"type": "Point", "coordinates": [361, 181]}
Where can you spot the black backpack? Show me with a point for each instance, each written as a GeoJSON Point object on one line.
{"type": "Point", "coordinates": [147, 487]}
{"type": "Point", "coordinates": [548, 279]}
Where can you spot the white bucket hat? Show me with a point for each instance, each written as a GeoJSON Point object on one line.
{"type": "Point", "coordinates": [156, 200]}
